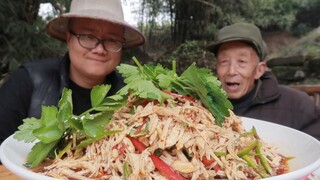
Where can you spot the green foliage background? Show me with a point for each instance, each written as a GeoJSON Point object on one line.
{"type": "Point", "coordinates": [187, 24]}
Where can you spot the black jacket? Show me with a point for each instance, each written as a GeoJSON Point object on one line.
{"type": "Point", "coordinates": [41, 83]}
{"type": "Point", "coordinates": [280, 104]}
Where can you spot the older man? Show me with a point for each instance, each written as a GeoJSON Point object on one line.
{"type": "Point", "coordinates": [254, 92]}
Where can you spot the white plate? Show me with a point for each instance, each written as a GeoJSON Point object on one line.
{"type": "Point", "coordinates": [290, 142]}
{"type": "Point", "coordinates": [13, 155]}
{"type": "Point", "coordinates": [303, 147]}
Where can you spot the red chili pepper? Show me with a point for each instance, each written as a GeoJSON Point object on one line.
{"type": "Point", "coordinates": [179, 95]}
{"type": "Point", "coordinates": [217, 168]}
{"type": "Point", "coordinates": [257, 159]}
{"type": "Point", "coordinates": [121, 149]}
{"type": "Point", "coordinates": [165, 169]}
{"type": "Point", "coordinates": [145, 102]}
{"type": "Point", "coordinates": [162, 167]}
{"type": "Point", "coordinates": [137, 144]}
{"type": "Point", "coordinates": [208, 162]}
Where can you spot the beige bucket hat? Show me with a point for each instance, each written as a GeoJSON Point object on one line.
{"type": "Point", "coordinates": [107, 10]}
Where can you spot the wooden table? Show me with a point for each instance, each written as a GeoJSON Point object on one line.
{"type": "Point", "coordinates": [5, 174]}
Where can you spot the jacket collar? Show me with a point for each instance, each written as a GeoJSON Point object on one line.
{"type": "Point", "coordinates": [267, 89]}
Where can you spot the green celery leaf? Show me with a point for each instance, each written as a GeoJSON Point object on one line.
{"type": "Point", "coordinates": [48, 134]}
{"type": "Point", "coordinates": [98, 93]}
{"type": "Point", "coordinates": [127, 70]}
{"type": "Point", "coordinates": [171, 82]}
{"type": "Point", "coordinates": [208, 89]}
{"type": "Point", "coordinates": [112, 103]}
{"type": "Point", "coordinates": [110, 109]}
{"type": "Point", "coordinates": [65, 106]}
{"type": "Point", "coordinates": [25, 130]}
{"type": "Point", "coordinates": [64, 113]}
{"type": "Point", "coordinates": [103, 118]}
{"type": "Point", "coordinates": [39, 152]}
{"type": "Point", "coordinates": [49, 115]}
{"type": "Point", "coordinates": [149, 72]}
{"type": "Point", "coordinates": [124, 91]}
{"type": "Point", "coordinates": [75, 122]}
{"type": "Point", "coordinates": [158, 69]}
{"type": "Point", "coordinates": [66, 99]}
{"type": "Point", "coordinates": [92, 130]}
{"type": "Point", "coordinates": [141, 81]}
{"type": "Point", "coordinates": [164, 81]}
{"type": "Point", "coordinates": [147, 90]}
{"type": "Point", "coordinates": [93, 125]}
{"type": "Point", "coordinates": [51, 129]}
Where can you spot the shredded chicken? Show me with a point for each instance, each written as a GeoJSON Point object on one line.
{"type": "Point", "coordinates": [184, 133]}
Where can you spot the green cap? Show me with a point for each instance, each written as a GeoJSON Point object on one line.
{"type": "Point", "coordinates": [240, 32]}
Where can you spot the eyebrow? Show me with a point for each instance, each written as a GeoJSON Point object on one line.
{"type": "Point", "coordinates": [245, 53]}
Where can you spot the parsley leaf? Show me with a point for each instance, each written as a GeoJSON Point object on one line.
{"type": "Point", "coordinates": [25, 130]}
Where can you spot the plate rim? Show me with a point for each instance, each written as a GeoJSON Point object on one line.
{"type": "Point", "coordinates": [28, 174]}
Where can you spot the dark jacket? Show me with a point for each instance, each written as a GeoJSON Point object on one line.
{"type": "Point", "coordinates": [41, 83]}
{"type": "Point", "coordinates": [283, 105]}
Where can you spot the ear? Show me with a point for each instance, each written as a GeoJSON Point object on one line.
{"type": "Point", "coordinates": [261, 69]}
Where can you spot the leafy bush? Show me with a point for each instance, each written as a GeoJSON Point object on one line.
{"type": "Point", "coordinates": [186, 54]}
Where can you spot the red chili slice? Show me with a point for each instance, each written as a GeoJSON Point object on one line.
{"type": "Point", "coordinates": [160, 165]}
{"type": "Point", "coordinates": [137, 144]}
{"type": "Point", "coordinates": [145, 102]}
{"type": "Point", "coordinates": [121, 149]}
{"type": "Point", "coordinates": [179, 95]}
{"type": "Point", "coordinates": [208, 162]}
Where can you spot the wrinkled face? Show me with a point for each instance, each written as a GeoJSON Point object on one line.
{"type": "Point", "coordinates": [89, 67]}
{"type": "Point", "coordinates": [238, 67]}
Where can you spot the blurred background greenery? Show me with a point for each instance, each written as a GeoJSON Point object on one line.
{"type": "Point", "coordinates": [175, 29]}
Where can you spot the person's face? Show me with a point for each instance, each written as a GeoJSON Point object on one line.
{"type": "Point", "coordinates": [238, 67]}
{"type": "Point", "coordinates": [89, 67]}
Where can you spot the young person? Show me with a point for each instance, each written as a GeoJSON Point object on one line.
{"type": "Point", "coordinates": [96, 34]}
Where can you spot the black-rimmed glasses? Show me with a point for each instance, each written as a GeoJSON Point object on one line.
{"type": "Point", "coordinates": [90, 42]}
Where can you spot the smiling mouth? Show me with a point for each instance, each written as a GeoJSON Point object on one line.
{"type": "Point", "coordinates": [232, 86]}
{"type": "Point", "coordinates": [98, 60]}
